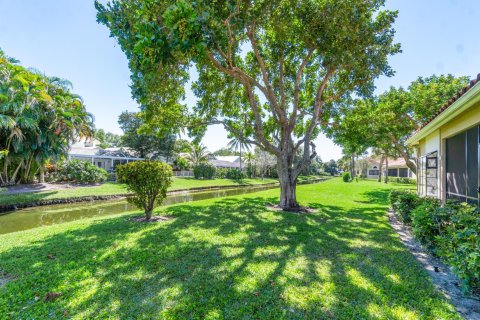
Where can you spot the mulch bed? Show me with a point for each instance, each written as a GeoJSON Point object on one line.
{"type": "Point", "coordinates": [467, 305]}
{"type": "Point", "coordinates": [152, 219]}
{"type": "Point", "coordinates": [301, 210]}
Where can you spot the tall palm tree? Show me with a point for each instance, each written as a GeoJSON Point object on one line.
{"type": "Point", "coordinates": [198, 153]}
{"type": "Point", "coordinates": [236, 143]}
{"type": "Point", "coordinates": [250, 160]}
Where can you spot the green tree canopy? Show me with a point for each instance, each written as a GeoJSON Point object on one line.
{"type": "Point", "coordinates": [269, 71]}
{"type": "Point", "coordinates": [152, 144]}
{"type": "Point", "coordinates": [385, 122]}
{"type": "Point", "coordinates": [108, 139]}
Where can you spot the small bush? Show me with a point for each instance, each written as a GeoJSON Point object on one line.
{"type": "Point", "coordinates": [204, 171]}
{"type": "Point", "coordinates": [221, 173]}
{"type": "Point", "coordinates": [347, 177]}
{"type": "Point", "coordinates": [451, 231]}
{"type": "Point", "coordinates": [81, 172]}
{"type": "Point", "coordinates": [429, 220]}
{"type": "Point", "coordinates": [403, 202]}
{"type": "Point", "coordinates": [406, 180]}
{"type": "Point", "coordinates": [460, 242]}
{"type": "Point", "coordinates": [235, 174]}
{"type": "Point", "coordinates": [181, 163]}
{"type": "Point", "coordinates": [148, 180]}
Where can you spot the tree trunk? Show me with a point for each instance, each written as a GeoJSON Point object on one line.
{"type": "Point", "coordinates": [380, 167]}
{"type": "Point", "coordinates": [42, 174]}
{"type": "Point", "coordinates": [288, 186]}
{"type": "Point", "coordinates": [288, 196]}
{"type": "Point", "coordinates": [240, 157]}
{"type": "Point", "coordinates": [352, 164]}
{"type": "Point", "coordinates": [386, 170]}
{"type": "Point", "coordinates": [411, 165]}
{"type": "Point", "coordinates": [148, 214]}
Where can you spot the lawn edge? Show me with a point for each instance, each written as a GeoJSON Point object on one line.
{"type": "Point", "coordinates": [118, 196]}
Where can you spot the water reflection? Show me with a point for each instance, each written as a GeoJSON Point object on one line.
{"type": "Point", "coordinates": [29, 218]}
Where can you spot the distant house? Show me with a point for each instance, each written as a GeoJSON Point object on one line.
{"type": "Point", "coordinates": [226, 162]}
{"type": "Point", "coordinates": [396, 168]}
{"type": "Point", "coordinates": [103, 158]}
{"type": "Point", "coordinates": [448, 148]}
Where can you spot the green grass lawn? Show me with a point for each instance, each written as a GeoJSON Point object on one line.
{"type": "Point", "coordinates": [116, 188]}
{"type": "Point", "coordinates": [225, 258]}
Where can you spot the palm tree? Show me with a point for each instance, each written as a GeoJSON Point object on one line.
{"type": "Point", "coordinates": [249, 160]}
{"type": "Point", "coordinates": [39, 117]}
{"type": "Point", "coordinates": [198, 153]}
{"type": "Point", "coordinates": [235, 144]}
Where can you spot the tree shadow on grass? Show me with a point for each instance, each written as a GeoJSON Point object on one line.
{"type": "Point", "coordinates": [226, 258]}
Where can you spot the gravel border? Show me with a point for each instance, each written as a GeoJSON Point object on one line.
{"type": "Point", "coordinates": [468, 306]}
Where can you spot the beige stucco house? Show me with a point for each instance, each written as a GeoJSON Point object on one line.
{"type": "Point", "coordinates": [397, 168]}
{"type": "Point", "coordinates": [448, 148]}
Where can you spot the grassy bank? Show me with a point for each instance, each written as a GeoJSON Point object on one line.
{"type": "Point", "coordinates": [108, 188]}
{"type": "Point", "coordinates": [225, 258]}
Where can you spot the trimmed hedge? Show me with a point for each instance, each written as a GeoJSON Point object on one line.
{"type": "Point", "coordinates": [451, 231]}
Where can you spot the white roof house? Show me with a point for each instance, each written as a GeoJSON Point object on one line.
{"type": "Point", "coordinates": [225, 162]}
{"type": "Point", "coordinates": [103, 158]}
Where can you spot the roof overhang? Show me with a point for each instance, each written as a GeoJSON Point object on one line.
{"type": "Point", "coordinates": [466, 101]}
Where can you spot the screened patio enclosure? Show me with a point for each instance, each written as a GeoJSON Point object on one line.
{"type": "Point", "coordinates": [461, 166]}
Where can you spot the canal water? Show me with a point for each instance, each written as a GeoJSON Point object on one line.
{"type": "Point", "coordinates": [29, 218]}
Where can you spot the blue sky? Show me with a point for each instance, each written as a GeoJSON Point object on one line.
{"type": "Point", "coordinates": [62, 38]}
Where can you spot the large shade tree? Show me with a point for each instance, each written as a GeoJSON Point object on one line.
{"type": "Point", "coordinates": [270, 71]}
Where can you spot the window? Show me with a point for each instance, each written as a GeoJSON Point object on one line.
{"type": "Point", "coordinates": [373, 172]}
{"type": "Point", "coordinates": [99, 164]}
{"type": "Point", "coordinates": [392, 172]}
{"type": "Point", "coordinates": [403, 172]}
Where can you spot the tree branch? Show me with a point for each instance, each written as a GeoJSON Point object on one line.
{"type": "Point", "coordinates": [270, 92]}
{"type": "Point", "coordinates": [298, 78]}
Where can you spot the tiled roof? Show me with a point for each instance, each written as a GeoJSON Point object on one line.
{"type": "Point", "coordinates": [452, 100]}
{"type": "Point", "coordinates": [399, 162]}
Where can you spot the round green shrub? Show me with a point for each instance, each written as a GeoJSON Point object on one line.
{"type": "Point", "coordinates": [347, 177]}
{"type": "Point", "coordinates": [204, 171]}
{"type": "Point", "coordinates": [81, 172]}
{"type": "Point", "coordinates": [148, 180]}
{"type": "Point", "coordinates": [235, 174]}
{"type": "Point", "coordinates": [403, 202]}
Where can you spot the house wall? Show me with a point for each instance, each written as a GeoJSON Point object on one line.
{"type": "Point", "coordinates": [436, 141]}
{"type": "Point", "coordinates": [376, 167]}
